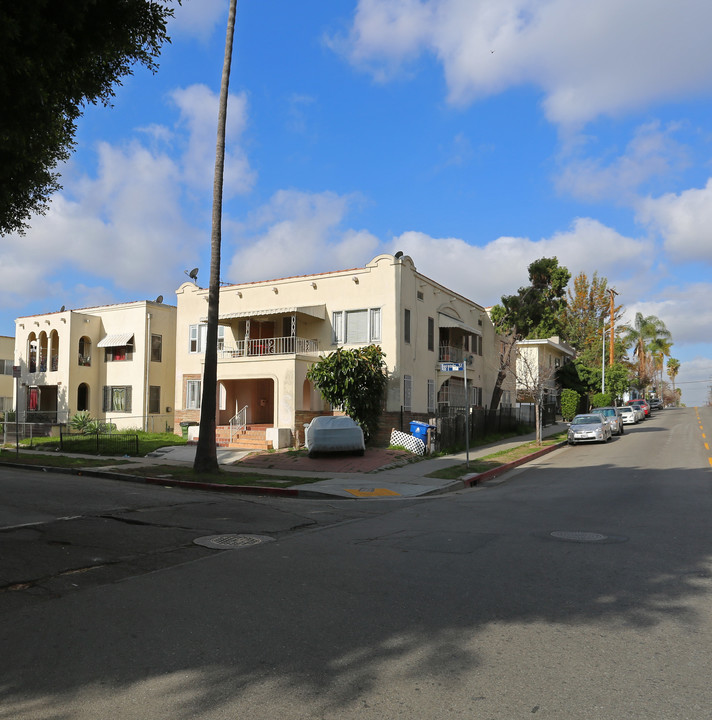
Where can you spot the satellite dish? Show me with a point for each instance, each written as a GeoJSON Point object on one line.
{"type": "Point", "coordinates": [193, 274]}
{"type": "Point", "coordinates": [61, 309]}
{"type": "Point", "coordinates": [399, 255]}
{"type": "Point", "coordinates": [159, 299]}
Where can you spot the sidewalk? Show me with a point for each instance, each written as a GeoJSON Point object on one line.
{"type": "Point", "coordinates": [408, 480]}
{"type": "Point", "coordinates": [405, 480]}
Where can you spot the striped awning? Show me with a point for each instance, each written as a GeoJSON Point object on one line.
{"type": "Point", "coordinates": [447, 321]}
{"type": "Point", "coordinates": [117, 340]}
{"type": "Point", "coordinates": [315, 311]}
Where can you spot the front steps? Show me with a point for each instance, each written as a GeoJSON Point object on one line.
{"type": "Point", "coordinates": [251, 437]}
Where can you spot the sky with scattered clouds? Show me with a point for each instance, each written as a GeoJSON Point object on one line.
{"type": "Point", "coordinates": [474, 135]}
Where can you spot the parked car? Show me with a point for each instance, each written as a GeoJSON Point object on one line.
{"type": "Point", "coordinates": [589, 428]}
{"type": "Point", "coordinates": [656, 404]}
{"type": "Point", "coordinates": [614, 419]}
{"type": "Point", "coordinates": [339, 433]}
{"type": "Point", "coordinates": [643, 404]}
{"type": "Point", "coordinates": [629, 414]}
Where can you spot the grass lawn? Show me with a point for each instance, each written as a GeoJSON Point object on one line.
{"type": "Point", "coordinates": [497, 459]}
{"type": "Point", "coordinates": [147, 442]}
{"type": "Point", "coordinates": [60, 461]}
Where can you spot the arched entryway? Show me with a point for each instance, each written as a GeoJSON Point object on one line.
{"type": "Point", "coordinates": [82, 397]}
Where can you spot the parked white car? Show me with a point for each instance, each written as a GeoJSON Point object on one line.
{"type": "Point", "coordinates": [628, 415]}
{"type": "Point", "coordinates": [589, 428]}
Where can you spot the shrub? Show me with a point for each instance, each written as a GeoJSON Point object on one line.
{"type": "Point", "coordinates": [81, 422]}
{"type": "Point", "coordinates": [569, 403]}
{"type": "Point", "coordinates": [601, 400]}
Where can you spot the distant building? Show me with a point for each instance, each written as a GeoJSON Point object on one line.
{"type": "Point", "coordinates": [272, 332]}
{"type": "Point", "coordinates": [7, 350]}
{"type": "Point", "coordinates": [539, 360]}
{"type": "Point", "coordinates": [115, 361]}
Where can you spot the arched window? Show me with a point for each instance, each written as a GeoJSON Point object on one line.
{"type": "Point", "coordinates": [85, 351]}
{"type": "Point", "coordinates": [53, 351]}
{"type": "Point", "coordinates": [32, 353]}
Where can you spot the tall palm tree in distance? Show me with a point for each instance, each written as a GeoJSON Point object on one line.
{"type": "Point", "coordinates": [206, 452]}
{"type": "Point", "coordinates": [640, 335]}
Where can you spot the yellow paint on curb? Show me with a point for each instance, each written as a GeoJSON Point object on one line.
{"type": "Point", "coordinates": [707, 446]}
{"type": "Point", "coordinates": [376, 492]}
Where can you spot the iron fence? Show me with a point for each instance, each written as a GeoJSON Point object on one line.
{"type": "Point", "coordinates": [99, 443]}
{"type": "Point", "coordinates": [450, 423]}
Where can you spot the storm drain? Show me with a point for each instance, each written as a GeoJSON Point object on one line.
{"type": "Point", "coordinates": [231, 542]}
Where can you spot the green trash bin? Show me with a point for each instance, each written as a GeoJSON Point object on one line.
{"type": "Point", "coordinates": [184, 427]}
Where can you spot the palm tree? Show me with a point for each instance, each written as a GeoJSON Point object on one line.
{"type": "Point", "coordinates": [659, 349]}
{"type": "Point", "coordinates": [206, 452]}
{"type": "Point", "coordinates": [673, 368]}
{"type": "Point", "coordinates": [641, 334]}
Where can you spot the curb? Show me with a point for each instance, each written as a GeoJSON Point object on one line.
{"type": "Point", "coordinates": [166, 482]}
{"type": "Point", "coordinates": [476, 479]}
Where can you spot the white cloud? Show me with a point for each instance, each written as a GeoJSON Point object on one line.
{"type": "Point", "coordinates": [297, 233]}
{"type": "Point", "coordinates": [589, 59]}
{"type": "Point", "coordinates": [652, 152]}
{"type": "Point", "coordinates": [485, 273]}
{"type": "Point", "coordinates": [686, 312]}
{"type": "Point", "coordinates": [198, 107]}
{"type": "Point", "coordinates": [684, 222]}
{"type": "Point", "coordinates": [198, 18]}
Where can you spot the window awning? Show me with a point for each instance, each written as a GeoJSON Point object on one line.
{"type": "Point", "coordinates": [315, 311]}
{"type": "Point", "coordinates": [117, 340]}
{"type": "Point", "coordinates": [447, 321]}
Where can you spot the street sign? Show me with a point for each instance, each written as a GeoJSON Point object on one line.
{"type": "Point", "coordinates": [452, 367]}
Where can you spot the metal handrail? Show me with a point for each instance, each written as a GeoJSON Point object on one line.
{"type": "Point", "coordinates": [238, 423]}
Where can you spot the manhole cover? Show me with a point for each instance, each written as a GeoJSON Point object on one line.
{"type": "Point", "coordinates": [231, 542]}
{"type": "Point", "coordinates": [583, 537]}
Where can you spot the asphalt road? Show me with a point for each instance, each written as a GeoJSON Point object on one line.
{"type": "Point", "coordinates": [578, 587]}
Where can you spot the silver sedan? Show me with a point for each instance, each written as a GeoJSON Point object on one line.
{"type": "Point", "coordinates": [589, 428]}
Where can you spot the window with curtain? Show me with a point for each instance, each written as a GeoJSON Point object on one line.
{"type": "Point", "coordinates": [192, 395]}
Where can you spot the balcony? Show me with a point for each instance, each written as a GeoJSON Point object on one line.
{"type": "Point", "coordinates": [262, 347]}
{"type": "Point", "coordinates": [448, 353]}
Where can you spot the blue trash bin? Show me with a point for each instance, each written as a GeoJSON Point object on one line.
{"type": "Point", "coordinates": [420, 430]}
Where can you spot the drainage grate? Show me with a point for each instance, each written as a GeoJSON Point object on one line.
{"type": "Point", "coordinates": [231, 542]}
{"type": "Point", "coordinates": [582, 537]}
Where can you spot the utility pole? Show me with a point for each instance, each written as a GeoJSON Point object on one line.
{"type": "Point", "coordinates": [613, 293]}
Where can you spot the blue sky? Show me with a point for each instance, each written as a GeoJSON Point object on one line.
{"type": "Point", "coordinates": [474, 135]}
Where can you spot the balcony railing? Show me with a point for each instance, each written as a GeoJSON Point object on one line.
{"type": "Point", "coordinates": [269, 346]}
{"type": "Point", "coordinates": [451, 354]}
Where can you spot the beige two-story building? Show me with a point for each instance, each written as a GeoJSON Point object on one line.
{"type": "Point", "coordinates": [537, 363]}
{"type": "Point", "coordinates": [272, 332]}
{"type": "Point", "coordinates": [115, 361]}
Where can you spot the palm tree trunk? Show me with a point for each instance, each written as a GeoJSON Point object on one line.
{"type": "Point", "coordinates": [206, 452]}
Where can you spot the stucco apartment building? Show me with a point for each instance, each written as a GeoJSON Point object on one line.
{"type": "Point", "coordinates": [538, 361]}
{"type": "Point", "coordinates": [271, 332]}
{"type": "Point", "coordinates": [115, 361]}
{"type": "Point", "coordinates": [7, 353]}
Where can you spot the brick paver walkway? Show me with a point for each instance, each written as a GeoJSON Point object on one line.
{"type": "Point", "coordinates": [373, 459]}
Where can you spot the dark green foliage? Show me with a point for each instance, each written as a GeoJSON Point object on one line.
{"type": "Point", "coordinates": [569, 403]}
{"type": "Point", "coordinates": [355, 380]}
{"type": "Point", "coordinates": [601, 400]}
{"type": "Point", "coordinates": [57, 57]}
{"type": "Point", "coordinates": [536, 311]}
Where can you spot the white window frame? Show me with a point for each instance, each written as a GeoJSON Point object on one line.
{"type": "Point", "coordinates": [198, 335]}
{"type": "Point", "coordinates": [340, 326]}
{"type": "Point", "coordinates": [193, 394]}
{"type": "Point", "coordinates": [431, 396]}
{"type": "Point", "coordinates": [407, 392]}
